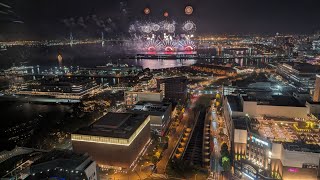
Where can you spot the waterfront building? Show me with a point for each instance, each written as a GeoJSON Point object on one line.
{"type": "Point", "coordinates": [69, 88]}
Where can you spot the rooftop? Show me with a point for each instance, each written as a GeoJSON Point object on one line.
{"type": "Point", "coordinates": [150, 107]}
{"type": "Point", "coordinates": [63, 81]}
{"type": "Point", "coordinates": [315, 148]}
{"type": "Point", "coordinates": [275, 100]}
{"type": "Point", "coordinates": [115, 125]}
{"type": "Point", "coordinates": [241, 122]}
{"type": "Point", "coordinates": [62, 159]}
{"type": "Point", "coordinates": [295, 135]}
{"type": "Point", "coordinates": [303, 67]}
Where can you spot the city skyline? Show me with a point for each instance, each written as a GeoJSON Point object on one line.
{"type": "Point", "coordinates": [159, 89]}
{"type": "Point", "coordinates": [214, 17]}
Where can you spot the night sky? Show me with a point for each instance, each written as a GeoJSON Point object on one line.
{"type": "Point", "coordinates": [211, 16]}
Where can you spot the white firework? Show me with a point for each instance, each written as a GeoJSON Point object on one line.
{"type": "Point", "coordinates": [189, 26]}
{"type": "Point", "coordinates": [167, 26]}
{"type": "Point", "coordinates": [171, 28]}
{"type": "Point", "coordinates": [155, 27]}
{"type": "Point", "coordinates": [132, 28]}
{"type": "Point", "coordinates": [153, 45]}
{"type": "Point", "coordinates": [146, 28]}
{"type": "Point", "coordinates": [169, 44]}
{"type": "Point", "coordinates": [186, 44]}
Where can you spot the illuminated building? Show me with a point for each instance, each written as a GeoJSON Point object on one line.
{"type": "Point", "coordinates": [63, 164]}
{"type": "Point", "coordinates": [213, 69]}
{"type": "Point", "coordinates": [316, 45]}
{"type": "Point", "coordinates": [316, 93]}
{"type": "Point", "coordinates": [268, 138]}
{"type": "Point", "coordinates": [302, 75]}
{"type": "Point", "coordinates": [132, 97]}
{"type": "Point", "coordinates": [159, 112]}
{"type": "Point", "coordinates": [69, 88]}
{"type": "Point", "coordinates": [111, 70]}
{"type": "Point", "coordinates": [114, 141]}
{"type": "Point", "coordinates": [19, 70]}
{"type": "Point", "coordinates": [174, 88]}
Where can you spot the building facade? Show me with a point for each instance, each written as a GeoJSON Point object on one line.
{"type": "Point", "coordinates": [159, 112]}
{"type": "Point", "coordinates": [114, 141]}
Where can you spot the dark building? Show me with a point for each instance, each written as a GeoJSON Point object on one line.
{"type": "Point", "coordinates": [114, 141]}
{"type": "Point", "coordinates": [174, 88]}
{"type": "Point", "coordinates": [63, 164]}
{"type": "Point", "coordinates": [159, 112]}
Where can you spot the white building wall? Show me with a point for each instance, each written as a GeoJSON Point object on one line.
{"type": "Point", "coordinates": [150, 96]}
{"type": "Point", "coordinates": [297, 158]}
{"type": "Point", "coordinates": [282, 111]}
{"type": "Point", "coordinates": [240, 136]}
{"type": "Point", "coordinates": [91, 171]}
{"type": "Point", "coordinates": [294, 158]}
{"type": "Point", "coordinates": [252, 109]}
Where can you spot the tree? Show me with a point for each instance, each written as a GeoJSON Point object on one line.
{"type": "Point", "coordinates": [224, 150]}
{"type": "Point", "coordinates": [226, 163]}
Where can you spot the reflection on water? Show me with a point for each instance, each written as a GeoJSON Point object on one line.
{"type": "Point", "coordinates": [160, 63]}
{"type": "Point", "coordinates": [13, 112]}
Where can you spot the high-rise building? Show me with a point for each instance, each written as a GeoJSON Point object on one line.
{"type": "Point", "coordinates": [174, 88]}
{"type": "Point", "coordinates": [316, 94]}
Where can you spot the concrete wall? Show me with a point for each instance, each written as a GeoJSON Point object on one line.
{"type": "Point", "coordinates": [297, 158]}
{"type": "Point", "coordinates": [294, 158]}
{"type": "Point", "coordinates": [252, 109]}
{"type": "Point", "coordinates": [240, 136]}
{"type": "Point", "coordinates": [299, 174]}
{"type": "Point", "coordinates": [313, 108]}
{"type": "Point", "coordinates": [282, 111]}
{"type": "Point", "coordinates": [289, 163]}
{"type": "Point", "coordinates": [91, 171]}
{"type": "Point", "coordinates": [157, 97]}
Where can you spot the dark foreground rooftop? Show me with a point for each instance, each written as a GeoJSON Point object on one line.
{"type": "Point", "coordinates": [116, 125]}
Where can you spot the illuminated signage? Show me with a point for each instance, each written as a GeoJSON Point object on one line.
{"type": "Point", "coordinates": [294, 170]}
{"type": "Point", "coordinates": [260, 141]}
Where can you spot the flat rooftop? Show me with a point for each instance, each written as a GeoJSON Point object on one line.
{"type": "Point", "coordinates": [314, 148]}
{"type": "Point", "coordinates": [62, 159]}
{"type": "Point", "coordinates": [115, 125]}
{"type": "Point", "coordinates": [303, 67]}
{"type": "Point", "coordinates": [140, 91]}
{"type": "Point", "coordinates": [150, 107]}
{"type": "Point", "coordinates": [275, 100]}
{"type": "Point", "coordinates": [295, 135]}
{"type": "Point", "coordinates": [242, 122]}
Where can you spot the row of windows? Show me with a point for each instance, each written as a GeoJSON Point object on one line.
{"type": "Point", "coordinates": [100, 139]}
